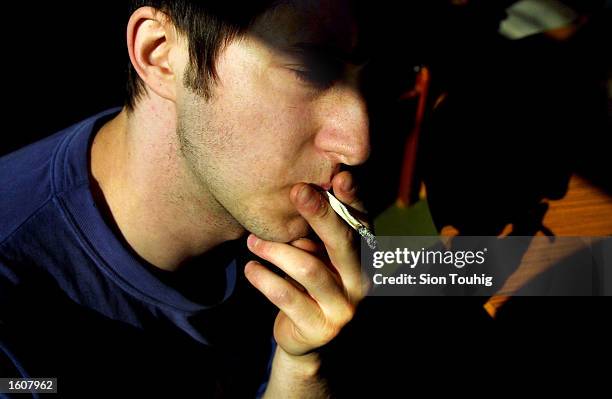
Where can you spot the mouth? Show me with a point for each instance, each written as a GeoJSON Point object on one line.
{"type": "Point", "coordinates": [325, 187]}
{"type": "Point", "coordinates": [328, 185]}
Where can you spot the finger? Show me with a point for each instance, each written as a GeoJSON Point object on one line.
{"type": "Point", "coordinates": [307, 270]}
{"type": "Point", "coordinates": [345, 190]}
{"type": "Point", "coordinates": [303, 311]}
{"type": "Point", "coordinates": [308, 245]}
{"type": "Point", "coordinates": [337, 236]}
{"type": "Point", "coordinates": [317, 249]}
{"type": "Point", "coordinates": [295, 284]}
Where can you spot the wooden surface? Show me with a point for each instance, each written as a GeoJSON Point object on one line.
{"type": "Point", "coordinates": [585, 210]}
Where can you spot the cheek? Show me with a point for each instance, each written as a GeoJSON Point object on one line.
{"type": "Point", "coordinates": [266, 124]}
{"type": "Point", "coordinates": [271, 132]}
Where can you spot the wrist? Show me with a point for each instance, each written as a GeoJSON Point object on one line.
{"type": "Point", "coordinates": [304, 366]}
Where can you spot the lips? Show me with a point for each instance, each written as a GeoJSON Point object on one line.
{"type": "Point", "coordinates": [328, 185]}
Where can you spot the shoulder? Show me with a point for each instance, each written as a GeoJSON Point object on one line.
{"type": "Point", "coordinates": [32, 176]}
{"type": "Point", "coordinates": [25, 182]}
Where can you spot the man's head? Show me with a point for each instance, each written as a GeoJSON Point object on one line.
{"type": "Point", "coordinates": [206, 26]}
{"type": "Point", "coordinates": [264, 97]}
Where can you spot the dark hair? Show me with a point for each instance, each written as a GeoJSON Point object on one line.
{"type": "Point", "coordinates": [208, 25]}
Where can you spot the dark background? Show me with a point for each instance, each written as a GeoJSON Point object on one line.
{"type": "Point", "coordinates": [63, 62]}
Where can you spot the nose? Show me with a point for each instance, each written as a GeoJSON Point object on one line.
{"type": "Point", "coordinates": [344, 131]}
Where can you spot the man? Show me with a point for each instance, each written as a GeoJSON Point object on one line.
{"type": "Point", "coordinates": [121, 238]}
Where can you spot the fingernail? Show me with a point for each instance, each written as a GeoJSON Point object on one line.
{"type": "Point", "coordinates": [252, 240]}
{"type": "Point", "coordinates": [305, 195]}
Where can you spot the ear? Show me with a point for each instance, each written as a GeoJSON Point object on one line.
{"type": "Point", "coordinates": [151, 42]}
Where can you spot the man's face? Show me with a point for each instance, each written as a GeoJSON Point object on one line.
{"type": "Point", "coordinates": [281, 113]}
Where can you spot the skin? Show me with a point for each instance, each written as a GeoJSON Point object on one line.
{"type": "Point", "coordinates": [182, 174]}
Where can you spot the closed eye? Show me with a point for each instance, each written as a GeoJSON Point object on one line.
{"type": "Point", "coordinates": [318, 74]}
{"type": "Point", "coordinates": [321, 65]}
{"type": "Point", "coordinates": [318, 71]}
{"type": "Point", "coordinates": [318, 79]}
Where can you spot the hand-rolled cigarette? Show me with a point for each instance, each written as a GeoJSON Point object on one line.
{"type": "Point", "coordinates": [341, 210]}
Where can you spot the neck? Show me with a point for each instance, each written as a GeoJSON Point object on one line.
{"type": "Point", "coordinates": [159, 207]}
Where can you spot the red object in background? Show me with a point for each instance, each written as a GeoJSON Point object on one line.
{"type": "Point", "coordinates": [406, 185]}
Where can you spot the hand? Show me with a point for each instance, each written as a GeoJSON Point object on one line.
{"type": "Point", "coordinates": [324, 283]}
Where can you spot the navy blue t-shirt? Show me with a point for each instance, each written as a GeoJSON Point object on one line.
{"type": "Point", "coordinates": [77, 304]}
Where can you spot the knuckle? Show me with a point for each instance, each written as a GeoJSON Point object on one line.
{"type": "Point", "coordinates": [309, 270]}
{"type": "Point", "coordinates": [282, 296]}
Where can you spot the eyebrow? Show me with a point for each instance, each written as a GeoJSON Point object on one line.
{"type": "Point", "coordinates": [328, 52]}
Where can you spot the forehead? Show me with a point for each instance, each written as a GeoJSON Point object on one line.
{"type": "Point", "coordinates": [326, 22]}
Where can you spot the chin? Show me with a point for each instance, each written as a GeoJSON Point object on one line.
{"type": "Point", "coordinates": [288, 231]}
